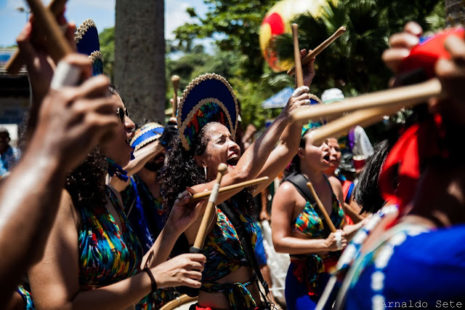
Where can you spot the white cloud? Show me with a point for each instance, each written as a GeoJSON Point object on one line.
{"type": "Point", "coordinates": [175, 16]}
{"type": "Point", "coordinates": [94, 4]}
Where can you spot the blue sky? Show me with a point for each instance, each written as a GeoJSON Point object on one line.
{"type": "Point", "coordinates": [101, 11]}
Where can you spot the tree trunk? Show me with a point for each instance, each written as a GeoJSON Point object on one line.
{"type": "Point", "coordinates": [139, 71]}
{"type": "Point", "coordinates": [455, 12]}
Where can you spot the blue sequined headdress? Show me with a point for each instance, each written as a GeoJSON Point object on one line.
{"type": "Point", "coordinates": [87, 42]}
{"type": "Point", "coordinates": [208, 98]}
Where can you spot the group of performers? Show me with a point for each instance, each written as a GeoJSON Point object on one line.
{"type": "Point", "coordinates": [129, 210]}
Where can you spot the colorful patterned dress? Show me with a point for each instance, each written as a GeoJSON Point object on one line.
{"type": "Point", "coordinates": [108, 254]}
{"type": "Point", "coordinates": [307, 274]}
{"type": "Point", "coordinates": [225, 255]}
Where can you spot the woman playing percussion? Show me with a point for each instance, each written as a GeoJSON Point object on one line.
{"type": "Point", "coordinates": [207, 120]}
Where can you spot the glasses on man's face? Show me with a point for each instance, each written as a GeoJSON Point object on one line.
{"type": "Point", "coordinates": [121, 114]}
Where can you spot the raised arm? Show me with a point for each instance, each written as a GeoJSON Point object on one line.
{"type": "Point", "coordinates": [289, 141]}
{"type": "Point", "coordinates": [34, 187]}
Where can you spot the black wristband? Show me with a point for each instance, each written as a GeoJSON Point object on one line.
{"type": "Point", "coordinates": [152, 278]}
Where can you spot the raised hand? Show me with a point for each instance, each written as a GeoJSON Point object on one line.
{"type": "Point", "coordinates": [401, 44]}
{"type": "Point", "coordinates": [72, 120]}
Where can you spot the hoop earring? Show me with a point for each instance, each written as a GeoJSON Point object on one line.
{"type": "Point", "coordinates": [205, 172]}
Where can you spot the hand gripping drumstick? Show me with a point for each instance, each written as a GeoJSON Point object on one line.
{"type": "Point", "coordinates": [298, 65]}
{"type": "Point", "coordinates": [203, 195]}
{"type": "Point", "coordinates": [57, 47]}
{"type": "Point", "coordinates": [202, 233]}
{"type": "Point", "coordinates": [46, 21]}
{"type": "Point", "coordinates": [406, 95]}
{"type": "Point", "coordinates": [15, 63]}
{"type": "Point", "coordinates": [320, 48]}
{"type": "Point", "coordinates": [321, 207]}
{"type": "Point", "coordinates": [175, 80]}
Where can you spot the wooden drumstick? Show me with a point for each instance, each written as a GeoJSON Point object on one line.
{"type": "Point", "coordinates": [320, 48]}
{"type": "Point", "coordinates": [407, 95]}
{"type": "Point", "coordinates": [342, 125]}
{"type": "Point", "coordinates": [15, 63]}
{"type": "Point", "coordinates": [178, 301]}
{"type": "Point", "coordinates": [57, 46]}
{"type": "Point", "coordinates": [209, 211]}
{"type": "Point", "coordinates": [321, 207]}
{"type": "Point", "coordinates": [175, 80]}
{"type": "Point", "coordinates": [299, 77]}
{"type": "Point", "coordinates": [203, 195]}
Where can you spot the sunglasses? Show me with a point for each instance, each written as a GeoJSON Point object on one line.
{"type": "Point", "coordinates": [121, 114]}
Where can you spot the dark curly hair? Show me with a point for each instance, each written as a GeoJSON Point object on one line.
{"type": "Point", "coordinates": [86, 183]}
{"type": "Point", "coordinates": [182, 171]}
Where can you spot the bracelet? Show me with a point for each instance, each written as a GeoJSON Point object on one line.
{"type": "Point", "coordinates": [152, 278]}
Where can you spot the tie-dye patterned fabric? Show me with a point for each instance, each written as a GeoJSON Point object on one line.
{"type": "Point", "coordinates": [309, 268]}
{"type": "Point", "coordinates": [225, 255]}
{"type": "Point", "coordinates": [108, 254]}
{"type": "Point", "coordinates": [223, 249]}
{"type": "Point", "coordinates": [312, 225]}
{"type": "Point", "coordinates": [26, 296]}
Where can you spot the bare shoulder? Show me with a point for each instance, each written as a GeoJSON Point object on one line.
{"type": "Point", "coordinates": [67, 210]}
{"type": "Point", "coordinates": [287, 188]}
{"type": "Point", "coordinates": [335, 183]}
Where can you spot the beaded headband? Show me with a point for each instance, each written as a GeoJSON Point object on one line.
{"type": "Point", "coordinates": [87, 42]}
{"type": "Point", "coordinates": [208, 98]}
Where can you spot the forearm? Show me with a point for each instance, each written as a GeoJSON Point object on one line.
{"type": "Point", "coordinates": [26, 220]}
{"type": "Point", "coordinates": [293, 245]}
{"type": "Point", "coordinates": [281, 155]}
{"type": "Point", "coordinates": [119, 295]}
{"type": "Point", "coordinates": [161, 249]}
{"type": "Point", "coordinates": [350, 230]}
{"type": "Point", "coordinates": [257, 154]}
{"type": "Point", "coordinates": [142, 156]}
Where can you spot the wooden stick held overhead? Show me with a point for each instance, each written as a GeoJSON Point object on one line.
{"type": "Point", "coordinates": [320, 48]}
{"type": "Point", "coordinates": [407, 95]}
{"type": "Point", "coordinates": [209, 211]}
{"type": "Point", "coordinates": [321, 207]}
{"type": "Point", "coordinates": [175, 80]}
{"type": "Point", "coordinates": [15, 62]}
{"type": "Point", "coordinates": [228, 188]}
{"type": "Point", "coordinates": [57, 46]}
{"type": "Point", "coordinates": [342, 125]}
{"type": "Point", "coordinates": [299, 77]}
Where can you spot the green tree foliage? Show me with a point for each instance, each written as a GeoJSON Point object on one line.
{"type": "Point", "coordinates": [235, 25]}
{"type": "Point", "coordinates": [354, 62]}
{"type": "Point", "coordinates": [107, 48]}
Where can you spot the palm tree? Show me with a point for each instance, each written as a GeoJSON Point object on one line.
{"type": "Point", "coordinates": [139, 71]}
{"type": "Point", "coordinates": [353, 62]}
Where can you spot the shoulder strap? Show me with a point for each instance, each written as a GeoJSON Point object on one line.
{"type": "Point", "coordinates": [246, 244]}
{"type": "Point", "coordinates": [300, 183]}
